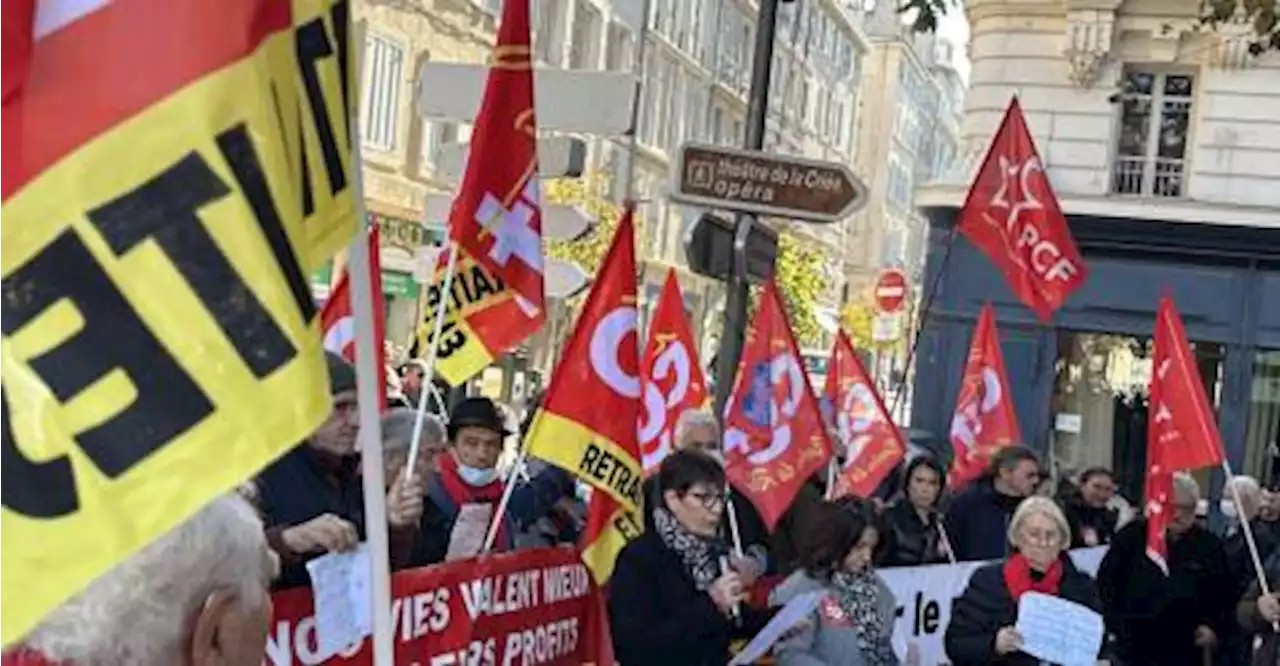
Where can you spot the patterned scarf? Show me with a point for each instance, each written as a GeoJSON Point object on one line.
{"type": "Point", "coordinates": [701, 556]}
{"type": "Point", "coordinates": [859, 597]}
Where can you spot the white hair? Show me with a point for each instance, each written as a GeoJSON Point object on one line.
{"type": "Point", "coordinates": [138, 612]}
{"type": "Point", "coordinates": [1250, 493]}
{"type": "Point", "coordinates": [1185, 489]}
{"type": "Point", "coordinates": [397, 430]}
{"type": "Point", "coordinates": [695, 418]}
{"type": "Point", "coordinates": [1040, 505]}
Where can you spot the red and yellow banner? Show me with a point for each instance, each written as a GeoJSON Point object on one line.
{"type": "Point", "coordinates": [496, 298]}
{"type": "Point", "coordinates": [172, 171]}
{"type": "Point", "coordinates": [530, 607]}
{"type": "Point", "coordinates": [587, 423]}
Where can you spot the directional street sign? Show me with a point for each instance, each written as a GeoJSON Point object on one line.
{"type": "Point", "coordinates": [891, 290]}
{"type": "Point", "coordinates": [765, 183]}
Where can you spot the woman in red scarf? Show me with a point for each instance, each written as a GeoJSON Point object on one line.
{"type": "Point", "coordinates": [982, 630]}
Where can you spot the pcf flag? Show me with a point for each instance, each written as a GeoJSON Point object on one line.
{"type": "Point", "coordinates": [495, 299]}
{"type": "Point", "coordinates": [1181, 431]}
{"type": "Point", "coordinates": [984, 420]}
{"type": "Point", "coordinates": [588, 420]}
{"type": "Point", "coordinates": [172, 171]}
{"type": "Point", "coordinates": [870, 441]}
{"type": "Point", "coordinates": [671, 375]}
{"type": "Point", "coordinates": [1012, 215]}
{"type": "Point", "coordinates": [774, 437]}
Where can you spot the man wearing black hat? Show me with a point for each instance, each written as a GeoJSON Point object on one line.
{"type": "Point", "coordinates": [469, 476]}
{"type": "Point", "coordinates": [311, 499]}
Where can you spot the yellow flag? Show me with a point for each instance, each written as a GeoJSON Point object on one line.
{"type": "Point", "coordinates": [170, 178]}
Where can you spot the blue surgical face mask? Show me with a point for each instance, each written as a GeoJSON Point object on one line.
{"type": "Point", "coordinates": [476, 477]}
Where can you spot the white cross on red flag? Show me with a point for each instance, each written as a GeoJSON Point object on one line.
{"type": "Point", "coordinates": [1181, 432]}
{"type": "Point", "coordinates": [1012, 215]}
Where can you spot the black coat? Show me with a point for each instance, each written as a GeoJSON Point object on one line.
{"type": "Point", "coordinates": [977, 522]}
{"type": "Point", "coordinates": [1084, 518]}
{"type": "Point", "coordinates": [909, 541]}
{"type": "Point", "coordinates": [1154, 617]}
{"type": "Point", "coordinates": [658, 617]}
{"type": "Point", "coordinates": [986, 606]}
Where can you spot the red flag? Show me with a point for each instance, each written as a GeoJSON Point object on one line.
{"type": "Point", "coordinates": [774, 434]}
{"type": "Point", "coordinates": [871, 442]}
{"type": "Point", "coordinates": [588, 421]}
{"type": "Point", "coordinates": [337, 319]}
{"type": "Point", "coordinates": [1181, 431]}
{"type": "Point", "coordinates": [672, 376]}
{"type": "Point", "coordinates": [1012, 214]}
{"type": "Point", "coordinates": [497, 215]}
{"type": "Point", "coordinates": [984, 420]}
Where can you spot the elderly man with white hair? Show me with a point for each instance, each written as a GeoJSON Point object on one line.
{"type": "Point", "coordinates": [1168, 620]}
{"type": "Point", "coordinates": [196, 596]}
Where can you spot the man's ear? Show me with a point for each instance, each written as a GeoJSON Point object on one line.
{"type": "Point", "coordinates": [219, 621]}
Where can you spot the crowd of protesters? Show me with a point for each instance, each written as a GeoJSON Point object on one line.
{"type": "Point", "coordinates": [689, 586]}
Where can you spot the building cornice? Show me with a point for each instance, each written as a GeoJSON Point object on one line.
{"type": "Point", "coordinates": [1190, 211]}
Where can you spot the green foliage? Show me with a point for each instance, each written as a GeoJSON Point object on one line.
{"type": "Point", "coordinates": [588, 193]}
{"type": "Point", "coordinates": [798, 270]}
{"type": "Point", "coordinates": [856, 320]}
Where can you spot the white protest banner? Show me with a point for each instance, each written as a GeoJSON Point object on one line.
{"type": "Point", "coordinates": [924, 596]}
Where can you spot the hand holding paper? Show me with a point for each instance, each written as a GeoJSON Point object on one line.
{"type": "Point", "coordinates": [341, 585]}
{"type": "Point", "coordinates": [1059, 631]}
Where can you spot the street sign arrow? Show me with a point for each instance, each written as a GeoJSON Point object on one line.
{"type": "Point", "coordinates": [751, 181]}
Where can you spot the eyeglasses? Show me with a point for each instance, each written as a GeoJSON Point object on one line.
{"type": "Point", "coordinates": [709, 500]}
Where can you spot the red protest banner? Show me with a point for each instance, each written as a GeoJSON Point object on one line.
{"type": "Point", "coordinates": [515, 609]}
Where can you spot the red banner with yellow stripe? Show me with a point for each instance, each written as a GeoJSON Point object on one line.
{"type": "Point", "coordinates": [588, 421]}
{"type": "Point", "coordinates": [172, 171]}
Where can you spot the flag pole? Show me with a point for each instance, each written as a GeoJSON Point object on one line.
{"type": "Point", "coordinates": [628, 192]}
{"type": "Point", "coordinates": [368, 391]}
{"type": "Point", "coordinates": [428, 374]}
{"type": "Point", "coordinates": [1248, 531]}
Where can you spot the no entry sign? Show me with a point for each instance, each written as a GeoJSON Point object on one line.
{"type": "Point", "coordinates": [891, 290]}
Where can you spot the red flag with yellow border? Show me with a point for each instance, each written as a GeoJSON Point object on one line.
{"type": "Point", "coordinates": [588, 420]}
{"type": "Point", "coordinates": [495, 299]}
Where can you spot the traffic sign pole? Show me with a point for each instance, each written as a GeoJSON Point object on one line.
{"type": "Point", "coordinates": [735, 313]}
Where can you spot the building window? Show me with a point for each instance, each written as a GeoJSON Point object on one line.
{"type": "Point", "coordinates": [436, 134]}
{"type": "Point", "coordinates": [618, 53]}
{"type": "Point", "coordinates": [584, 47]}
{"type": "Point", "coordinates": [548, 36]}
{"type": "Point", "coordinates": [384, 67]}
{"type": "Point", "coordinates": [1151, 150]}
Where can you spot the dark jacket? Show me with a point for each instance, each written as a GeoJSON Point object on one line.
{"type": "Point", "coordinates": [659, 618]}
{"type": "Point", "coordinates": [977, 521]}
{"type": "Point", "coordinates": [909, 540]}
{"type": "Point", "coordinates": [1154, 617]}
{"type": "Point", "coordinates": [783, 549]}
{"type": "Point", "coordinates": [1085, 520]}
{"type": "Point", "coordinates": [530, 501]}
{"type": "Point", "coordinates": [305, 484]}
{"type": "Point", "coordinates": [1252, 622]}
{"type": "Point", "coordinates": [986, 606]}
{"type": "Point", "coordinates": [751, 528]}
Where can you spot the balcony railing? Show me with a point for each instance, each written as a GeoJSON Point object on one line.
{"type": "Point", "coordinates": [1148, 176]}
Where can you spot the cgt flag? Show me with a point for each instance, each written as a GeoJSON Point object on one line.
{"type": "Point", "coordinates": [1181, 432]}
{"type": "Point", "coordinates": [984, 420]}
{"type": "Point", "coordinates": [588, 420]}
{"type": "Point", "coordinates": [338, 324]}
{"type": "Point", "coordinates": [1012, 215]}
{"type": "Point", "coordinates": [160, 344]}
{"type": "Point", "coordinates": [871, 442]}
{"type": "Point", "coordinates": [495, 299]}
{"type": "Point", "coordinates": [672, 377]}
{"type": "Point", "coordinates": [774, 434]}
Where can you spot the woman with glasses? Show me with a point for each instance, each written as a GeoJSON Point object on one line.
{"type": "Point", "coordinates": [1175, 618]}
{"type": "Point", "coordinates": [983, 618]}
{"type": "Point", "coordinates": [674, 598]}
{"type": "Point", "coordinates": [853, 623]}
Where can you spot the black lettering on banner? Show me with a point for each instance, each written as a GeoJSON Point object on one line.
{"type": "Point", "coordinates": [338, 14]}
{"type": "Point", "coordinates": [312, 45]}
{"type": "Point", "coordinates": [167, 401]}
{"type": "Point", "coordinates": [166, 209]}
{"type": "Point", "coordinates": [452, 338]}
{"type": "Point", "coordinates": [483, 287]}
{"type": "Point", "coordinates": [474, 285]}
{"type": "Point", "coordinates": [626, 524]}
{"type": "Point", "coordinates": [304, 173]}
{"type": "Point", "coordinates": [605, 468]}
{"type": "Point", "coordinates": [238, 150]}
